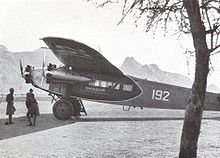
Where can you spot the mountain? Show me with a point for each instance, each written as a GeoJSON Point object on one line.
{"type": "Point", "coordinates": [36, 57]}
{"type": "Point", "coordinates": [10, 68]}
{"type": "Point", "coordinates": [7, 63]}
{"type": "Point", "coordinates": [152, 72]}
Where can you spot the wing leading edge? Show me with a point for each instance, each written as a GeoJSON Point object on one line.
{"type": "Point", "coordinates": [80, 56]}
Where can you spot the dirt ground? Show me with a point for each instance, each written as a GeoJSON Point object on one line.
{"type": "Point", "coordinates": [107, 131]}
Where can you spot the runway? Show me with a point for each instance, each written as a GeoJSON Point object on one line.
{"type": "Point", "coordinates": [107, 131]}
{"type": "Point", "coordinates": [48, 121]}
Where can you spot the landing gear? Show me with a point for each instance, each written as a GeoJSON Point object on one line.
{"type": "Point", "coordinates": [63, 109]}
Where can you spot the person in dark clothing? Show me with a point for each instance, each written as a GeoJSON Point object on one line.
{"type": "Point", "coordinates": [32, 106]}
{"type": "Point", "coordinates": [10, 106]}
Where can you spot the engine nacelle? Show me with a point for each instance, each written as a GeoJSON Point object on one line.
{"type": "Point", "coordinates": [62, 75]}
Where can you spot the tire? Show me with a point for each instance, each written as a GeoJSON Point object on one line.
{"type": "Point", "coordinates": [63, 109]}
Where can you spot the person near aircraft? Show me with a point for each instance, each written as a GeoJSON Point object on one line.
{"type": "Point", "coordinates": [10, 106]}
{"type": "Point", "coordinates": [32, 106]}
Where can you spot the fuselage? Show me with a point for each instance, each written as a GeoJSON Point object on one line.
{"type": "Point", "coordinates": [125, 90]}
{"type": "Point", "coordinates": [86, 85]}
{"type": "Point", "coordinates": [166, 96]}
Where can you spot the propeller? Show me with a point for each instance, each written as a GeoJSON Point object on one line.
{"type": "Point", "coordinates": [43, 65]}
{"type": "Point", "coordinates": [43, 71]}
{"type": "Point", "coordinates": [22, 72]}
{"type": "Point", "coordinates": [21, 69]}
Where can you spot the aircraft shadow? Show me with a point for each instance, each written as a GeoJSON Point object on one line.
{"type": "Point", "coordinates": [44, 122]}
{"type": "Point", "coordinates": [213, 118]}
{"type": "Point", "coordinates": [106, 119]}
{"type": "Point", "coordinates": [48, 121]}
{"type": "Point", "coordinates": [103, 119]}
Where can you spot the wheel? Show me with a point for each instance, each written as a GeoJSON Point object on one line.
{"type": "Point", "coordinates": [63, 109]}
{"type": "Point", "coordinates": [76, 106]}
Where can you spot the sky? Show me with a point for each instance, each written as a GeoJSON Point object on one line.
{"type": "Point", "coordinates": [24, 22]}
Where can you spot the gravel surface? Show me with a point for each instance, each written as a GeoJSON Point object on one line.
{"type": "Point", "coordinates": [107, 131]}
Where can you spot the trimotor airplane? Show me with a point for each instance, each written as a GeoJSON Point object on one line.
{"type": "Point", "coordinates": [86, 74]}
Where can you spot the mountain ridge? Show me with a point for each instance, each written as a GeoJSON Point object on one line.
{"type": "Point", "coordinates": [152, 72]}
{"type": "Point", "coordinates": [10, 72]}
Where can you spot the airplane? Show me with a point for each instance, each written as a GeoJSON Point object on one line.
{"type": "Point", "coordinates": [87, 74]}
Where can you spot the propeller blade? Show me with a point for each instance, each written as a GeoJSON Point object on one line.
{"type": "Point", "coordinates": [21, 68]}
{"type": "Point", "coordinates": [42, 80]}
{"type": "Point", "coordinates": [43, 65]}
{"type": "Point", "coordinates": [43, 70]}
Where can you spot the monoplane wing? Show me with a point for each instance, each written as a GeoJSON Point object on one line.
{"type": "Point", "coordinates": [80, 56]}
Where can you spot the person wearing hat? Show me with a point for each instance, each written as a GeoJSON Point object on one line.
{"type": "Point", "coordinates": [32, 106]}
{"type": "Point", "coordinates": [10, 106]}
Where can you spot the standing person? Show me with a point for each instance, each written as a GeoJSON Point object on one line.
{"type": "Point", "coordinates": [32, 106]}
{"type": "Point", "coordinates": [10, 106]}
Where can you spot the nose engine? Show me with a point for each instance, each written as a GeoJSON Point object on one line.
{"type": "Point", "coordinates": [52, 74]}
{"type": "Point", "coordinates": [27, 74]}
{"type": "Point", "coordinates": [31, 75]}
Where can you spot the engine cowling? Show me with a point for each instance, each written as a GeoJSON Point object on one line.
{"type": "Point", "coordinates": [63, 75]}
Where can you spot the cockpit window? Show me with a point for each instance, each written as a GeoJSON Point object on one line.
{"type": "Point", "coordinates": [127, 87]}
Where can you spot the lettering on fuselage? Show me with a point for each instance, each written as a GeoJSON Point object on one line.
{"type": "Point", "coordinates": [95, 89]}
{"type": "Point", "coordinates": [158, 94]}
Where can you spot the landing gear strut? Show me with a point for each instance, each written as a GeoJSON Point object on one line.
{"type": "Point", "coordinates": [76, 106]}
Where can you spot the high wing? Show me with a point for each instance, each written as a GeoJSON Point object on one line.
{"type": "Point", "coordinates": [80, 56]}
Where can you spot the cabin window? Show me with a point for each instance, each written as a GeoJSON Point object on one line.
{"type": "Point", "coordinates": [116, 86]}
{"type": "Point", "coordinates": [109, 84]}
{"type": "Point", "coordinates": [96, 83]}
{"type": "Point", "coordinates": [127, 87]}
{"type": "Point", "coordinates": [103, 84]}
{"type": "Point", "coordinates": [92, 83]}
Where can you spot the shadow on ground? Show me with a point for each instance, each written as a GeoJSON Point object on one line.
{"type": "Point", "coordinates": [44, 122]}
{"type": "Point", "coordinates": [48, 121]}
{"type": "Point", "coordinates": [98, 119]}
